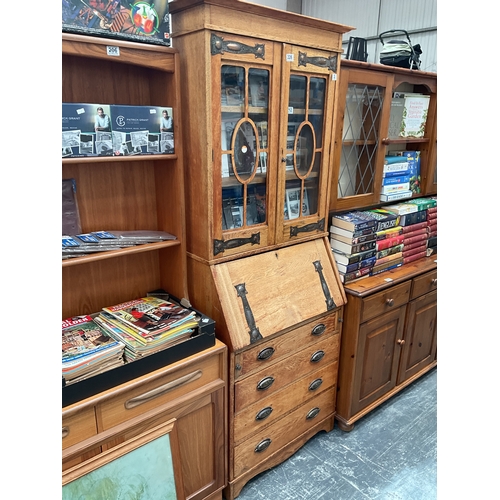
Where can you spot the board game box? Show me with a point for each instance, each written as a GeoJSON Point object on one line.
{"type": "Point", "coordinates": [134, 20]}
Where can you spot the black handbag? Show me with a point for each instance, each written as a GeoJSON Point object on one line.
{"type": "Point", "coordinates": [400, 53]}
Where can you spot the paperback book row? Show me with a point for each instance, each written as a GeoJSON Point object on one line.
{"type": "Point", "coordinates": [76, 243]}
{"type": "Point", "coordinates": [116, 130]}
{"type": "Point", "coordinates": [370, 242]}
{"type": "Point", "coordinates": [401, 176]}
{"type": "Point", "coordinates": [122, 333]}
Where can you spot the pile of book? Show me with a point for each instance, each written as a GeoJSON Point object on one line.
{"type": "Point", "coordinates": [147, 325]}
{"type": "Point", "coordinates": [87, 349]}
{"type": "Point", "coordinates": [400, 175]}
{"type": "Point", "coordinates": [78, 245]}
{"type": "Point", "coordinates": [369, 242]}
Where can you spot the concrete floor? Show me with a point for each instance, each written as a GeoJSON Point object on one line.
{"type": "Point", "coordinates": [391, 454]}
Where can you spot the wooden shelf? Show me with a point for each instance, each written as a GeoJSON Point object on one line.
{"type": "Point", "coordinates": [112, 254]}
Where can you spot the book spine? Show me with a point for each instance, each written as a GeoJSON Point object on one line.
{"type": "Point", "coordinates": [416, 232]}
{"type": "Point", "coordinates": [414, 257]}
{"type": "Point", "coordinates": [416, 239]}
{"type": "Point", "coordinates": [389, 251]}
{"type": "Point", "coordinates": [389, 242]}
{"type": "Point", "coordinates": [389, 233]}
{"type": "Point", "coordinates": [413, 251]}
{"type": "Point", "coordinates": [432, 241]}
{"type": "Point", "coordinates": [410, 246]}
{"type": "Point", "coordinates": [352, 249]}
{"type": "Point", "coordinates": [413, 218]}
{"type": "Point", "coordinates": [351, 234]}
{"type": "Point", "coordinates": [395, 179]}
{"type": "Point", "coordinates": [92, 352]}
{"type": "Point", "coordinates": [393, 265]}
{"type": "Point", "coordinates": [413, 227]}
{"type": "Point", "coordinates": [364, 271]}
{"type": "Point", "coordinates": [400, 195]}
{"type": "Point", "coordinates": [432, 210]}
{"type": "Point", "coordinates": [388, 258]}
{"type": "Point", "coordinates": [395, 188]}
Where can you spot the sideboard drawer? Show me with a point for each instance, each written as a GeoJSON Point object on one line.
{"type": "Point", "coordinates": [78, 426]}
{"type": "Point", "coordinates": [146, 395]}
{"type": "Point", "coordinates": [385, 301]}
{"type": "Point", "coordinates": [423, 284]}
{"type": "Point", "coordinates": [275, 377]}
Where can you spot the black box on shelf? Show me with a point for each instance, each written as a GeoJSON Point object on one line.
{"type": "Point", "coordinates": [202, 338]}
{"type": "Point", "coordinates": [134, 20]}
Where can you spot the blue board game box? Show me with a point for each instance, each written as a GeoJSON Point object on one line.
{"type": "Point", "coordinates": [86, 130]}
{"type": "Point", "coordinates": [142, 130]}
{"type": "Point", "coordinates": [134, 20]}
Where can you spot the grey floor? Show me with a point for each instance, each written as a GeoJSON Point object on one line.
{"type": "Point", "coordinates": [391, 454]}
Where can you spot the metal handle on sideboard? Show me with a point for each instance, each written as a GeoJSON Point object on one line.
{"type": "Point", "coordinates": [159, 391]}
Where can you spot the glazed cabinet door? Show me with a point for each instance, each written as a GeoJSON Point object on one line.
{"type": "Point", "coordinates": [244, 88]}
{"type": "Point", "coordinates": [377, 358]}
{"type": "Point", "coordinates": [308, 85]}
{"type": "Point", "coordinates": [419, 349]}
{"type": "Point", "coordinates": [361, 119]}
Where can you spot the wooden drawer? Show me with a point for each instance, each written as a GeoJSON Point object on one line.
{"type": "Point", "coordinates": [385, 301]}
{"type": "Point", "coordinates": [285, 371]}
{"type": "Point", "coordinates": [275, 406]}
{"type": "Point", "coordinates": [269, 440]}
{"type": "Point", "coordinates": [140, 397]}
{"type": "Point", "coordinates": [78, 426]}
{"type": "Point", "coordinates": [269, 352]}
{"type": "Point", "coordinates": [424, 284]}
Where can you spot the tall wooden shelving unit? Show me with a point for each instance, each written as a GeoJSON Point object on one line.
{"type": "Point", "coordinates": [138, 193]}
{"type": "Point", "coordinates": [259, 91]}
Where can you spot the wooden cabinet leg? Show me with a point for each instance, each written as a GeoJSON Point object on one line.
{"type": "Point", "coordinates": [345, 427]}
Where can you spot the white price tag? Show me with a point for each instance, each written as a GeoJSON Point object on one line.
{"type": "Point", "coordinates": [290, 110]}
{"type": "Point", "coordinates": [388, 280]}
{"type": "Point", "coordinates": [334, 77]}
{"type": "Point", "coordinates": [112, 50]}
{"type": "Point", "coordinates": [289, 57]}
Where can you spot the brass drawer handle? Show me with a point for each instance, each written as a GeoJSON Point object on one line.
{"type": "Point", "coordinates": [265, 383]}
{"type": "Point", "coordinates": [318, 330]}
{"type": "Point", "coordinates": [65, 432]}
{"type": "Point", "coordinates": [265, 354]}
{"type": "Point", "coordinates": [434, 282]}
{"type": "Point", "coordinates": [264, 413]}
{"type": "Point", "coordinates": [312, 413]}
{"type": "Point", "coordinates": [159, 391]}
{"type": "Point", "coordinates": [390, 302]}
{"type": "Point", "coordinates": [401, 341]}
{"type": "Point", "coordinates": [263, 445]}
{"type": "Point", "coordinates": [315, 384]}
{"type": "Point", "coordinates": [317, 356]}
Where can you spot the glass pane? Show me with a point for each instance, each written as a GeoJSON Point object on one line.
{"type": "Point", "coordinates": [304, 152]}
{"type": "Point", "coordinates": [360, 137]}
{"type": "Point", "coordinates": [244, 150]}
{"type": "Point", "coordinates": [316, 107]}
{"type": "Point", "coordinates": [232, 85]}
{"type": "Point", "coordinates": [297, 95]}
{"type": "Point", "coordinates": [244, 145]}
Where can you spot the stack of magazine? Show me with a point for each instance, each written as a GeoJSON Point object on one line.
{"type": "Point", "coordinates": [147, 325]}
{"type": "Point", "coordinates": [87, 349]}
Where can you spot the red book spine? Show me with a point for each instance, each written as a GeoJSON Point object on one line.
{"type": "Point", "coordinates": [415, 239]}
{"type": "Point", "coordinates": [389, 242]}
{"type": "Point", "coordinates": [417, 232]}
{"type": "Point", "coordinates": [413, 251]}
{"type": "Point", "coordinates": [432, 210]}
{"type": "Point", "coordinates": [417, 256]}
{"type": "Point", "coordinates": [413, 227]}
{"type": "Point", "coordinates": [433, 234]}
{"type": "Point", "coordinates": [410, 246]}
